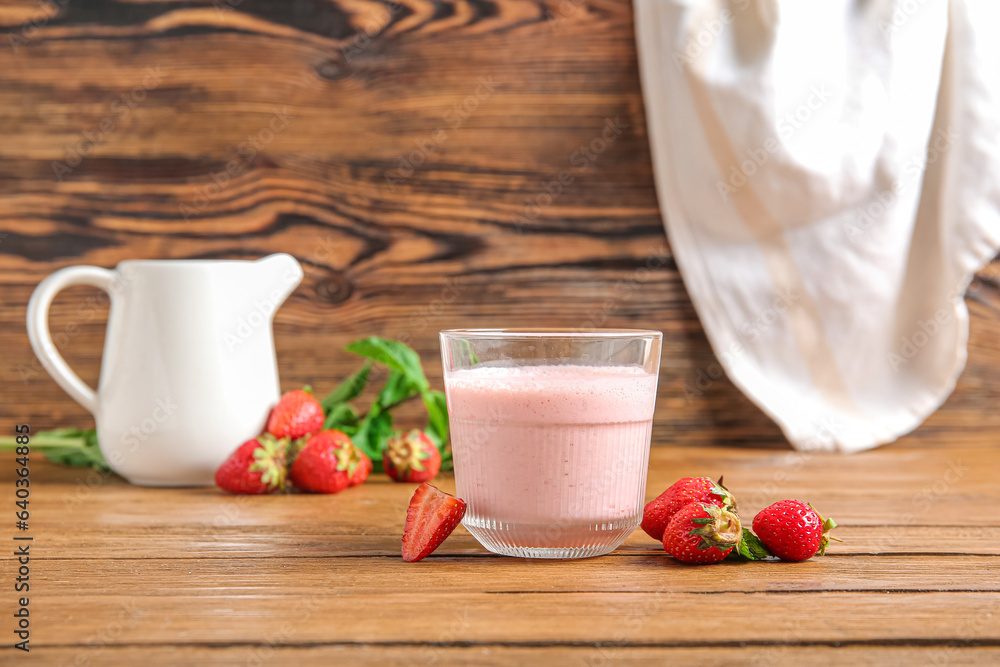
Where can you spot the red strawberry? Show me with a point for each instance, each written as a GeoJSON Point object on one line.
{"type": "Point", "coordinates": [702, 533]}
{"type": "Point", "coordinates": [411, 457]}
{"type": "Point", "coordinates": [657, 513]}
{"type": "Point", "coordinates": [430, 518]}
{"type": "Point", "coordinates": [327, 463]}
{"type": "Point", "coordinates": [257, 466]}
{"type": "Point", "coordinates": [793, 530]}
{"type": "Point", "coordinates": [297, 414]}
{"type": "Point", "coordinates": [363, 470]}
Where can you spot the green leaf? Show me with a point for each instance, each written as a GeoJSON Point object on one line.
{"type": "Point", "coordinates": [342, 417]}
{"type": "Point", "coordinates": [394, 354]}
{"type": "Point", "coordinates": [398, 387]}
{"type": "Point", "coordinates": [469, 352]}
{"type": "Point", "coordinates": [750, 548]}
{"type": "Point", "coordinates": [406, 380]}
{"type": "Point", "coordinates": [372, 433]}
{"type": "Point", "coordinates": [349, 389]}
{"type": "Point", "coordinates": [437, 414]}
{"type": "Point", "coordinates": [437, 424]}
{"type": "Point", "coordinates": [446, 459]}
{"type": "Point", "coordinates": [67, 446]}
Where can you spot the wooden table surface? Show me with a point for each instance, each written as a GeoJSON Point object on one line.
{"type": "Point", "coordinates": [123, 575]}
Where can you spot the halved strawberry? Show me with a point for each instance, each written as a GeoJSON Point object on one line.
{"type": "Point", "coordinates": [430, 519]}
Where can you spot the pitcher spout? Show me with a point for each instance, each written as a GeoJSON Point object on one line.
{"type": "Point", "coordinates": [279, 275]}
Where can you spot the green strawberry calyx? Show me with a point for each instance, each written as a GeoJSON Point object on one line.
{"type": "Point", "coordinates": [295, 448]}
{"type": "Point", "coordinates": [728, 499]}
{"type": "Point", "coordinates": [406, 451]}
{"type": "Point", "coordinates": [750, 548]}
{"type": "Point", "coordinates": [720, 529]}
{"type": "Point", "coordinates": [269, 460]}
{"type": "Point", "coordinates": [828, 525]}
{"type": "Point", "coordinates": [348, 458]}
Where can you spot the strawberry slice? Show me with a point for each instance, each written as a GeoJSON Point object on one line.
{"type": "Point", "coordinates": [430, 518]}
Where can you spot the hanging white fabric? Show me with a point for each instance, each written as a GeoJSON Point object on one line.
{"type": "Point", "coordinates": [829, 176]}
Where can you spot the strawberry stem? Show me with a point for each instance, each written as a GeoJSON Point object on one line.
{"type": "Point", "coordinates": [42, 441]}
{"type": "Point", "coordinates": [396, 403]}
{"type": "Point", "coordinates": [828, 525]}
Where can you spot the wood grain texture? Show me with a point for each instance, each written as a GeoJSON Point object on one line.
{"type": "Point", "coordinates": [125, 575]}
{"type": "Point", "coordinates": [922, 507]}
{"type": "Point", "coordinates": [404, 152]}
{"type": "Point", "coordinates": [558, 656]}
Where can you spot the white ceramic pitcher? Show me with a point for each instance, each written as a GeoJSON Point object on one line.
{"type": "Point", "coordinates": [189, 371]}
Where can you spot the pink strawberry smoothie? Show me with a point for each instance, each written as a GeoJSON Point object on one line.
{"type": "Point", "coordinates": [551, 456]}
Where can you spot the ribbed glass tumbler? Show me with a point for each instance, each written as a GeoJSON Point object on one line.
{"type": "Point", "coordinates": [550, 435]}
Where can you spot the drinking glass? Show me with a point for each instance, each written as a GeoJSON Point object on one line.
{"type": "Point", "coordinates": [550, 435]}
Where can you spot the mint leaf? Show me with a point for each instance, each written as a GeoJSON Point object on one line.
{"type": "Point", "coordinates": [469, 352]}
{"type": "Point", "coordinates": [67, 446]}
{"type": "Point", "coordinates": [376, 427]}
{"type": "Point", "coordinates": [437, 424]}
{"type": "Point", "coordinates": [349, 389]}
{"type": "Point", "coordinates": [437, 414]}
{"type": "Point", "coordinates": [394, 354]}
{"type": "Point", "coordinates": [405, 381]}
{"type": "Point", "coordinates": [398, 387]}
{"type": "Point", "coordinates": [750, 548]}
{"type": "Point", "coordinates": [342, 417]}
{"type": "Point", "coordinates": [447, 463]}
{"type": "Point", "coordinates": [372, 433]}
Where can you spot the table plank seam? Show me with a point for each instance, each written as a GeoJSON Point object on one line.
{"type": "Point", "coordinates": [446, 558]}
{"type": "Point", "coordinates": [834, 643]}
{"type": "Point", "coordinates": [780, 591]}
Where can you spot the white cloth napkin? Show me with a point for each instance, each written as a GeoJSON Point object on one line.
{"type": "Point", "coordinates": [829, 176]}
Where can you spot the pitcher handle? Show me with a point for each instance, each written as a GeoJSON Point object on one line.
{"type": "Point", "coordinates": [38, 327]}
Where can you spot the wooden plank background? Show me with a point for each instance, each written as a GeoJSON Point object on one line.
{"type": "Point", "coordinates": [403, 152]}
